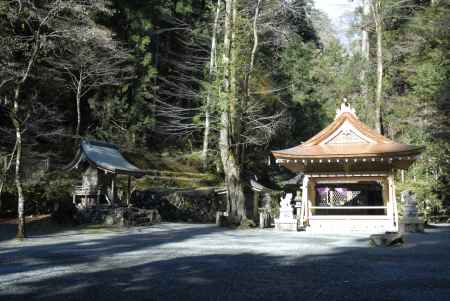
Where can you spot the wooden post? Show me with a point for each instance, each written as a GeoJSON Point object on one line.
{"type": "Point", "coordinates": [308, 211]}
{"type": "Point", "coordinates": [387, 195]}
{"type": "Point", "coordinates": [255, 206]}
{"type": "Point", "coordinates": [403, 175]}
{"type": "Point", "coordinates": [302, 213]}
{"type": "Point", "coordinates": [304, 200]}
{"type": "Point", "coordinates": [86, 199]}
{"type": "Point", "coordinates": [98, 195]}
{"type": "Point", "coordinates": [129, 191]}
{"type": "Point", "coordinates": [113, 188]}
{"type": "Point", "coordinates": [394, 198]}
{"type": "Point", "coordinates": [392, 208]}
{"type": "Point", "coordinates": [310, 199]}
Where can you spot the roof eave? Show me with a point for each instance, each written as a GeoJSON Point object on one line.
{"type": "Point", "coordinates": [137, 173]}
{"type": "Point", "coordinates": [413, 152]}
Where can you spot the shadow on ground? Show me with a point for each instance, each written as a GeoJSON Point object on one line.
{"type": "Point", "coordinates": [35, 227]}
{"type": "Point", "coordinates": [416, 271]}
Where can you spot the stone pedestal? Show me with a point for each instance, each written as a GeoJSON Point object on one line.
{"type": "Point", "coordinates": [286, 225]}
{"type": "Point", "coordinates": [286, 221]}
{"type": "Point", "coordinates": [410, 222]}
{"type": "Point", "coordinates": [411, 225]}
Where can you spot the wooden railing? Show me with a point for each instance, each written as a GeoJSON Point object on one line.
{"type": "Point", "coordinates": [86, 190]}
{"type": "Point", "coordinates": [88, 196]}
{"type": "Point", "coordinates": [322, 211]}
{"type": "Point", "coordinates": [348, 207]}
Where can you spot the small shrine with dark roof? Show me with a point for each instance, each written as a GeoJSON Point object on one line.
{"type": "Point", "coordinates": [101, 163]}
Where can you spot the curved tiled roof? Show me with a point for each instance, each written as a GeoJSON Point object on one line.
{"type": "Point", "coordinates": [338, 122]}
{"type": "Point", "coordinates": [105, 156]}
{"type": "Point", "coordinates": [368, 143]}
{"type": "Point", "coordinates": [348, 150]}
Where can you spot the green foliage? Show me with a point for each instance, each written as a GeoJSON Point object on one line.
{"type": "Point", "coordinates": [295, 72]}
{"type": "Point", "coordinates": [54, 187]}
{"type": "Point", "coordinates": [417, 109]}
{"type": "Point", "coordinates": [42, 195]}
{"type": "Point", "coordinates": [297, 61]}
{"type": "Point", "coordinates": [428, 202]}
{"type": "Point", "coordinates": [318, 79]}
{"type": "Point", "coordinates": [275, 204]}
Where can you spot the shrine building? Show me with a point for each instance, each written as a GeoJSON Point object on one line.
{"type": "Point", "coordinates": [348, 181]}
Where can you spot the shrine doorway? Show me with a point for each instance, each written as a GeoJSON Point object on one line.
{"type": "Point", "coordinates": [338, 198]}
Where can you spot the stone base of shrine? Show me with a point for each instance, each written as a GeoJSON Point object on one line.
{"type": "Point", "coordinates": [411, 224]}
{"type": "Point", "coordinates": [286, 224]}
{"type": "Point", "coordinates": [339, 224]}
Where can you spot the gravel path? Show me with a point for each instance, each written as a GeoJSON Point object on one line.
{"type": "Point", "coordinates": [203, 262]}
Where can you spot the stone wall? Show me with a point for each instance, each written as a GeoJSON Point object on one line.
{"type": "Point", "coordinates": [122, 216]}
{"type": "Point", "coordinates": [194, 205]}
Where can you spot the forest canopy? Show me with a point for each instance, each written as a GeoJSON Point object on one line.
{"type": "Point", "coordinates": [219, 82]}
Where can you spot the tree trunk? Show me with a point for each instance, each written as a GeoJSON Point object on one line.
{"type": "Point", "coordinates": [235, 189]}
{"type": "Point", "coordinates": [365, 57]}
{"type": "Point", "coordinates": [249, 71]}
{"type": "Point", "coordinates": [255, 42]}
{"type": "Point", "coordinates": [14, 116]}
{"type": "Point", "coordinates": [228, 145]}
{"type": "Point", "coordinates": [379, 91]}
{"type": "Point", "coordinates": [235, 104]}
{"type": "Point", "coordinates": [252, 54]}
{"type": "Point", "coordinates": [155, 90]}
{"type": "Point", "coordinates": [378, 18]}
{"type": "Point", "coordinates": [212, 63]}
{"type": "Point", "coordinates": [21, 200]}
{"type": "Point", "coordinates": [20, 197]}
{"type": "Point", "coordinates": [206, 133]}
{"type": "Point", "coordinates": [78, 99]}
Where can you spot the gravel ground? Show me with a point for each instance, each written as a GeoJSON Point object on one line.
{"type": "Point", "coordinates": [203, 262]}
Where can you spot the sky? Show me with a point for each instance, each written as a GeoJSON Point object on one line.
{"type": "Point", "coordinates": [336, 9]}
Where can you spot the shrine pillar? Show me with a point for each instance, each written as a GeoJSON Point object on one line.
{"type": "Point", "coordinates": [304, 208]}
{"type": "Point", "coordinates": [392, 205]}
